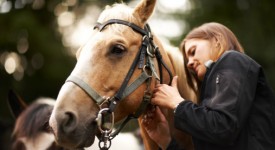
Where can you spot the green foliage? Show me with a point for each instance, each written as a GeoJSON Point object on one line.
{"type": "Point", "coordinates": [45, 62]}
{"type": "Point", "coordinates": [30, 34]}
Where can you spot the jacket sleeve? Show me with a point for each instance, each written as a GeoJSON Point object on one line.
{"type": "Point", "coordinates": [226, 101]}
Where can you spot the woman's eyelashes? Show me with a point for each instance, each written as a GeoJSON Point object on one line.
{"type": "Point", "coordinates": [193, 51]}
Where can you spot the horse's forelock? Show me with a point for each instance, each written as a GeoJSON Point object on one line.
{"type": "Point", "coordinates": [117, 11]}
{"type": "Point", "coordinates": [33, 120]}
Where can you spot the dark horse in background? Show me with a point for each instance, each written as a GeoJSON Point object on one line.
{"type": "Point", "coordinates": [31, 130]}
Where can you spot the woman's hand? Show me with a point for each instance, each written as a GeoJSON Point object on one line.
{"type": "Point", "coordinates": [167, 96]}
{"type": "Point", "coordinates": [157, 127]}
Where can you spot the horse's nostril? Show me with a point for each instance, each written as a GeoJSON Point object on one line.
{"type": "Point", "coordinates": [70, 118]}
{"type": "Point", "coordinates": [69, 122]}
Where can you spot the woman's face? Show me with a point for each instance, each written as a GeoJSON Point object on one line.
{"type": "Point", "coordinates": [198, 51]}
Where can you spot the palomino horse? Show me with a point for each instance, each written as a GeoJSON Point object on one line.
{"type": "Point", "coordinates": [114, 76]}
{"type": "Point", "coordinates": [31, 131]}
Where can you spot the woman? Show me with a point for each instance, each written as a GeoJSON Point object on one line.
{"type": "Point", "coordinates": [237, 106]}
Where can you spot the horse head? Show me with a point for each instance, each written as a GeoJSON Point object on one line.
{"type": "Point", "coordinates": [31, 130]}
{"type": "Point", "coordinates": [114, 74]}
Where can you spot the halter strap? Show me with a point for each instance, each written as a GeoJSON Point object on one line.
{"type": "Point", "coordinates": [100, 99]}
{"type": "Point", "coordinates": [119, 94]}
{"type": "Point", "coordinates": [90, 91]}
{"type": "Point", "coordinates": [101, 26]}
{"type": "Point", "coordinates": [146, 43]}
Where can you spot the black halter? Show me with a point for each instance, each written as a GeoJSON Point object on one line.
{"type": "Point", "coordinates": [149, 49]}
{"type": "Point", "coordinates": [100, 26]}
{"type": "Point", "coordinates": [146, 32]}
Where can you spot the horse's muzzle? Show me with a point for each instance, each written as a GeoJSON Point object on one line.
{"type": "Point", "coordinates": [71, 133]}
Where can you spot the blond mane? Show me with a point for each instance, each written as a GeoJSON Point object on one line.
{"type": "Point", "coordinates": [176, 58]}
{"type": "Point", "coordinates": [117, 11]}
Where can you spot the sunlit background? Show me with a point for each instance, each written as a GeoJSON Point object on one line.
{"type": "Point", "coordinates": [38, 38]}
{"type": "Point", "coordinates": [76, 30]}
{"type": "Point", "coordinates": [75, 26]}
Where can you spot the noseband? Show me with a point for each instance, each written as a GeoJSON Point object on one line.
{"type": "Point", "coordinates": [144, 60]}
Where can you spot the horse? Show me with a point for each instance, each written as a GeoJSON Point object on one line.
{"type": "Point", "coordinates": [31, 130]}
{"type": "Point", "coordinates": [113, 79]}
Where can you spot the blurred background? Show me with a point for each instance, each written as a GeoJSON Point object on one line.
{"type": "Point", "coordinates": [38, 39]}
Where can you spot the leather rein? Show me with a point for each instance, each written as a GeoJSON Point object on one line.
{"type": "Point", "coordinates": [143, 60]}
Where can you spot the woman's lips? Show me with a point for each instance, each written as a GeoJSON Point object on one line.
{"type": "Point", "coordinates": [196, 70]}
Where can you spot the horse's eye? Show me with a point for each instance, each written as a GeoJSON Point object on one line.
{"type": "Point", "coordinates": [117, 49]}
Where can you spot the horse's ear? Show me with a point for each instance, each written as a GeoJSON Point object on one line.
{"type": "Point", "coordinates": [144, 10]}
{"type": "Point", "coordinates": [16, 104]}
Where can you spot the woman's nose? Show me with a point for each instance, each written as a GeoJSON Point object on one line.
{"type": "Point", "coordinates": [190, 63]}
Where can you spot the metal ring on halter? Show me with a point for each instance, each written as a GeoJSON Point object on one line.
{"type": "Point", "coordinates": [106, 100]}
{"type": "Point", "coordinates": [105, 146]}
{"type": "Point", "coordinates": [147, 49]}
{"type": "Point", "coordinates": [149, 53]}
{"type": "Point", "coordinates": [144, 69]}
{"type": "Point", "coordinates": [99, 120]}
{"type": "Point", "coordinates": [144, 37]}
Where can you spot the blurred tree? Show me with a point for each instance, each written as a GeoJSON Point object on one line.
{"type": "Point", "coordinates": [34, 60]}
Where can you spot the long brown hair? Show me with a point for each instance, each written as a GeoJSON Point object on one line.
{"type": "Point", "coordinates": [217, 34]}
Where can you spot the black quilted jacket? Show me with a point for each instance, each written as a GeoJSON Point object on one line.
{"type": "Point", "coordinates": [237, 109]}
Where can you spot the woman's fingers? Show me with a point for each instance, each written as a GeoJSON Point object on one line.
{"type": "Point", "coordinates": [174, 81]}
{"type": "Point", "coordinates": [148, 116]}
